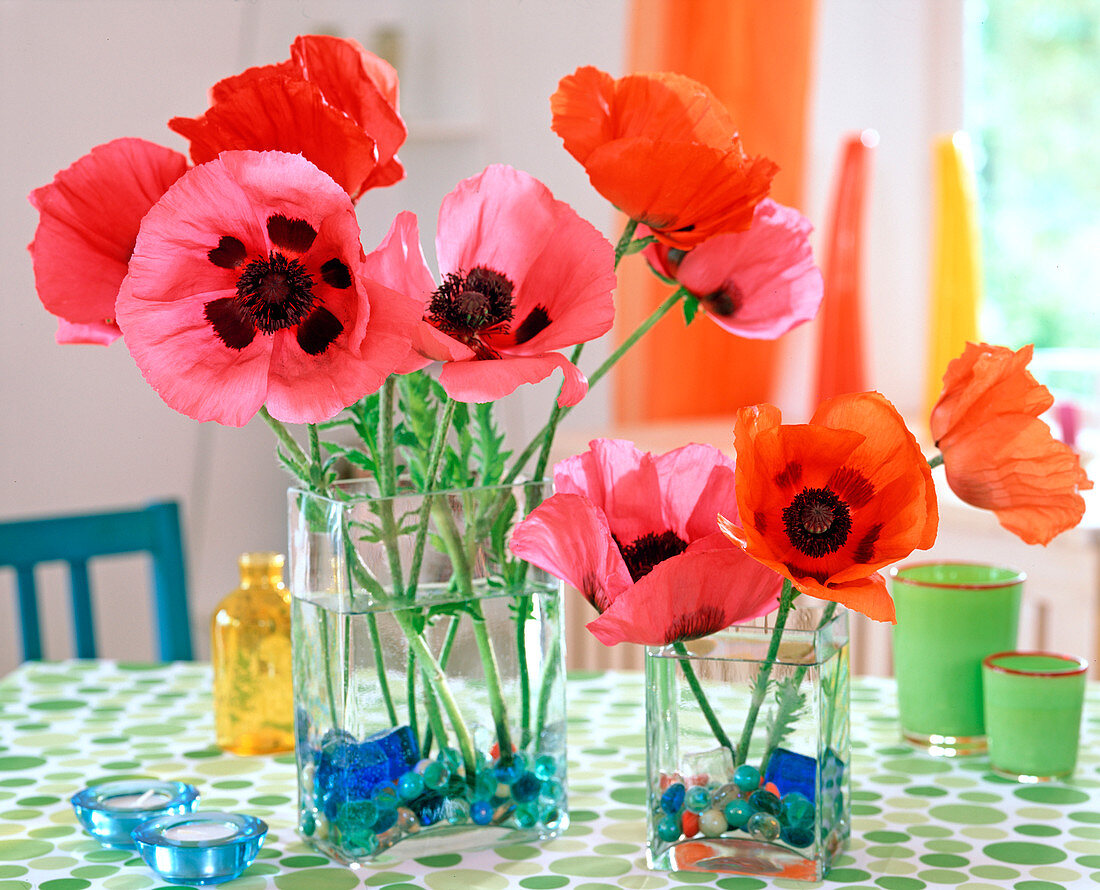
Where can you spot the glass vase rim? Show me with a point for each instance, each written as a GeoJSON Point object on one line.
{"type": "Point", "coordinates": [1013, 576]}
{"type": "Point", "coordinates": [520, 482]}
{"type": "Point", "coordinates": [790, 634]}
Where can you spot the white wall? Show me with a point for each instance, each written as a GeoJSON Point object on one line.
{"type": "Point", "coordinates": [80, 429]}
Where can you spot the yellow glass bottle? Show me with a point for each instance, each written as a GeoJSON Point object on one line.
{"type": "Point", "coordinates": [253, 691]}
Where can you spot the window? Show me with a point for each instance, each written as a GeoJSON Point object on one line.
{"type": "Point", "coordinates": [1033, 109]}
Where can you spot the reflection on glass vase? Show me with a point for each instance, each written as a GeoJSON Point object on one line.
{"type": "Point", "coordinates": [428, 681]}
{"type": "Point", "coordinates": [748, 757]}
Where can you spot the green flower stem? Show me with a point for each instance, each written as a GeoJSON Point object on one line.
{"type": "Point", "coordinates": [435, 728]}
{"type": "Point", "coordinates": [701, 697]}
{"type": "Point", "coordinates": [935, 461]}
{"type": "Point", "coordinates": [437, 680]}
{"type": "Point", "coordinates": [379, 669]}
{"type": "Point", "coordinates": [492, 682]}
{"type": "Point", "coordinates": [624, 240]}
{"type": "Point", "coordinates": [328, 668]}
{"type": "Point", "coordinates": [410, 693]}
{"type": "Point", "coordinates": [294, 450]}
{"type": "Point", "coordinates": [387, 485]}
{"type": "Point", "coordinates": [545, 687]}
{"type": "Point", "coordinates": [782, 712]}
{"type": "Point", "coordinates": [444, 657]}
{"type": "Point", "coordinates": [439, 438]}
{"type": "Point", "coordinates": [760, 688]}
{"type": "Point", "coordinates": [546, 434]}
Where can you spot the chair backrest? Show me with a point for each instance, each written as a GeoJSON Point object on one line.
{"type": "Point", "coordinates": [75, 539]}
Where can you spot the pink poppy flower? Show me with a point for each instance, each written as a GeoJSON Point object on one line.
{"type": "Point", "coordinates": [523, 275]}
{"type": "Point", "coordinates": [88, 220]}
{"type": "Point", "coordinates": [246, 288]}
{"type": "Point", "coordinates": [759, 283]}
{"type": "Point", "coordinates": [331, 101]}
{"type": "Point", "coordinates": [637, 535]}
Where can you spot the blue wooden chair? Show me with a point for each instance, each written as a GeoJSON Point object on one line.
{"type": "Point", "coordinates": [76, 539]}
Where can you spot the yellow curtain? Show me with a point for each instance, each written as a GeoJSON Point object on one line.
{"type": "Point", "coordinates": [756, 57]}
{"type": "Point", "coordinates": [956, 260]}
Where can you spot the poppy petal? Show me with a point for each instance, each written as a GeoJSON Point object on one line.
{"type": "Point", "coordinates": [89, 218]}
{"type": "Point", "coordinates": [567, 535]}
{"type": "Point", "coordinates": [708, 587]}
{"type": "Point", "coordinates": [698, 482]}
{"type": "Point", "coordinates": [487, 381]}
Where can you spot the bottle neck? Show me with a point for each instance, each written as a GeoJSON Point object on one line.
{"type": "Point", "coordinates": [261, 570]}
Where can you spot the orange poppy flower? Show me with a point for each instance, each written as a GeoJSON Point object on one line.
{"type": "Point", "coordinates": [997, 453]}
{"type": "Point", "coordinates": [662, 149]}
{"type": "Point", "coordinates": [828, 503]}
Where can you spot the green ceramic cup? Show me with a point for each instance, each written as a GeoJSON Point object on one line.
{"type": "Point", "coordinates": [1033, 704]}
{"type": "Point", "coordinates": [949, 617]}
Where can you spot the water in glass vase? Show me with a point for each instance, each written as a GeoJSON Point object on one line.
{"type": "Point", "coordinates": [748, 759]}
{"type": "Point", "coordinates": [391, 759]}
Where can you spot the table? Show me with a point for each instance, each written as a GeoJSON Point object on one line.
{"type": "Point", "coordinates": [917, 821]}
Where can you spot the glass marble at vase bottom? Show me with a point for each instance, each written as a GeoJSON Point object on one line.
{"type": "Point", "coordinates": [768, 797]}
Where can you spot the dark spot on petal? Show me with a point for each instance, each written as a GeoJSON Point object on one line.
{"type": "Point", "coordinates": [593, 590]}
{"type": "Point", "coordinates": [865, 549]}
{"type": "Point", "coordinates": [535, 321]}
{"type": "Point", "coordinates": [725, 302]}
{"type": "Point", "coordinates": [705, 620]}
{"type": "Point", "coordinates": [335, 274]}
{"type": "Point", "coordinates": [817, 522]}
{"type": "Point", "coordinates": [851, 485]}
{"type": "Point", "coordinates": [802, 572]}
{"type": "Point", "coordinates": [233, 328]}
{"type": "Point", "coordinates": [290, 234]}
{"type": "Point", "coordinates": [790, 476]}
{"type": "Point", "coordinates": [229, 253]}
{"type": "Point", "coordinates": [760, 520]}
{"type": "Point", "coordinates": [317, 332]}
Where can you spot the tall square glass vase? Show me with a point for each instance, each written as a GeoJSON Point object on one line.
{"type": "Point", "coordinates": [428, 683]}
{"type": "Point", "coordinates": [748, 755]}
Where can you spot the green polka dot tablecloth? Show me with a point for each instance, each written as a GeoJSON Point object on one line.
{"type": "Point", "coordinates": [918, 822]}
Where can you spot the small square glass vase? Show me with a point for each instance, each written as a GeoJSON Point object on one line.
{"type": "Point", "coordinates": [728, 792]}
{"type": "Point", "coordinates": [428, 674]}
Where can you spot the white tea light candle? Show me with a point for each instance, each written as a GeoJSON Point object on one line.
{"type": "Point", "coordinates": [110, 811]}
{"type": "Point", "coordinates": [200, 847]}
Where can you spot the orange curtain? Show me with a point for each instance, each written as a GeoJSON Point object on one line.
{"type": "Point", "coordinates": [756, 57]}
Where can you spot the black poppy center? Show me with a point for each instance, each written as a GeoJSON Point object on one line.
{"type": "Point", "coordinates": [470, 305]}
{"type": "Point", "coordinates": [275, 293]}
{"type": "Point", "coordinates": [817, 522]}
{"type": "Point", "coordinates": [645, 553]}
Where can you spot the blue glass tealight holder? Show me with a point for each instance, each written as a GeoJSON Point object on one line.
{"type": "Point", "coordinates": [110, 811]}
{"type": "Point", "coordinates": [201, 847]}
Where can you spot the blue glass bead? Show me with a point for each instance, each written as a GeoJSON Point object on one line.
{"type": "Point", "coordinates": [487, 783]}
{"type": "Point", "coordinates": [550, 816]}
{"type": "Point", "coordinates": [449, 757]}
{"type": "Point", "coordinates": [526, 815]}
{"type": "Point", "coordinates": [308, 824]}
{"type": "Point", "coordinates": [356, 815]}
{"type": "Point", "coordinates": [763, 826]}
{"type": "Point", "coordinates": [385, 798]}
{"type": "Point", "coordinates": [436, 775]}
{"type": "Point", "coordinates": [508, 773]}
{"type": "Point", "coordinates": [668, 829]}
{"type": "Point", "coordinates": [746, 777]}
{"type": "Point", "coordinates": [697, 798]}
{"type": "Point", "coordinates": [387, 818]}
{"type": "Point", "coordinates": [481, 812]}
{"type": "Point", "coordinates": [410, 786]}
{"type": "Point", "coordinates": [429, 809]}
{"type": "Point", "coordinates": [546, 767]}
{"type": "Point", "coordinates": [737, 813]}
{"type": "Point", "coordinates": [672, 801]}
{"type": "Point", "coordinates": [526, 788]}
{"type": "Point", "coordinates": [398, 747]}
{"type": "Point", "coordinates": [798, 835]}
{"type": "Point", "coordinates": [360, 838]}
{"type": "Point", "coordinates": [552, 791]}
{"type": "Point", "coordinates": [790, 771]}
{"type": "Point", "coordinates": [765, 802]}
{"type": "Point", "coordinates": [796, 809]}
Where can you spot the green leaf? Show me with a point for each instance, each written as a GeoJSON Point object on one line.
{"type": "Point", "coordinates": [691, 308]}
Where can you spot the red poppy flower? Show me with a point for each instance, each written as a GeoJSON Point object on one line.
{"type": "Point", "coordinates": [997, 454]}
{"type": "Point", "coordinates": [246, 288]}
{"type": "Point", "coordinates": [331, 101]}
{"type": "Point", "coordinates": [88, 220]}
{"type": "Point", "coordinates": [636, 535]}
{"type": "Point", "coordinates": [662, 149]}
{"type": "Point", "coordinates": [523, 275]}
{"type": "Point", "coordinates": [759, 283]}
{"type": "Point", "coordinates": [828, 503]}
